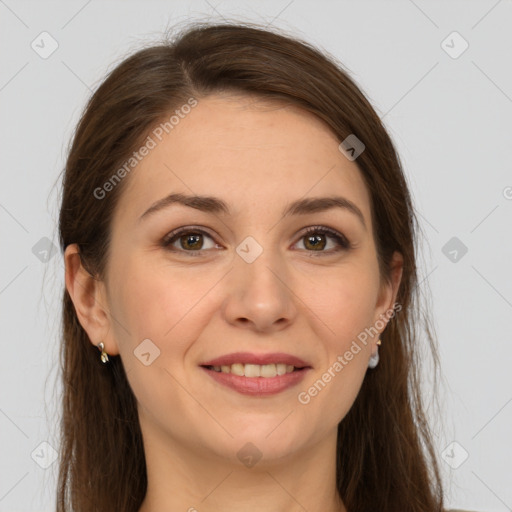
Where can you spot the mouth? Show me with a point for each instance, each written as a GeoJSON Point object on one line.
{"type": "Point", "coordinates": [265, 371]}
{"type": "Point", "coordinates": [264, 363]}
{"type": "Point", "coordinates": [257, 375]}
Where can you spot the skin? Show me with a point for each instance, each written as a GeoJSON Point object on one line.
{"type": "Point", "coordinates": [257, 157]}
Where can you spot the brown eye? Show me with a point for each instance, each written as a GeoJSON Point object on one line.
{"type": "Point", "coordinates": [316, 239]}
{"type": "Point", "coordinates": [191, 241]}
{"type": "Point", "coordinates": [187, 240]}
{"type": "Point", "coordinates": [315, 242]}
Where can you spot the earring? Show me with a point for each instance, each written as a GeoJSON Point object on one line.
{"type": "Point", "coordinates": [104, 355]}
{"type": "Point", "coordinates": [374, 359]}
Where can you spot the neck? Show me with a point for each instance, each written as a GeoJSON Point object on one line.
{"type": "Point", "coordinates": [190, 478]}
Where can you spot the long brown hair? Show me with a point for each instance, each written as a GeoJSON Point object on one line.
{"type": "Point", "coordinates": [385, 454]}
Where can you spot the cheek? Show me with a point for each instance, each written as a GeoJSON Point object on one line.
{"type": "Point", "coordinates": [347, 303]}
{"type": "Point", "coordinates": [347, 311]}
{"type": "Point", "coordinates": [148, 305]}
{"type": "Point", "coordinates": [160, 304]}
{"type": "Point", "coordinates": [350, 309]}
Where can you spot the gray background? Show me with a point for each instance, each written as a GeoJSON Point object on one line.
{"type": "Point", "coordinates": [449, 115]}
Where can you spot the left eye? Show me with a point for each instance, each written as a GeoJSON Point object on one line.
{"type": "Point", "coordinates": [313, 234]}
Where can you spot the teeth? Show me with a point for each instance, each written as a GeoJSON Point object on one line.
{"type": "Point", "coordinates": [256, 370]}
{"type": "Point", "coordinates": [281, 369]}
{"type": "Point", "coordinates": [252, 370]}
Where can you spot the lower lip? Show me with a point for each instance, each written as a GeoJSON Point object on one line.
{"type": "Point", "coordinates": [258, 386]}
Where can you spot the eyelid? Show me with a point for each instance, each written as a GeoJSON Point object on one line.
{"type": "Point", "coordinates": [186, 229]}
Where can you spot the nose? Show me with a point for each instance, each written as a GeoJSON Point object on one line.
{"type": "Point", "coordinates": [259, 295]}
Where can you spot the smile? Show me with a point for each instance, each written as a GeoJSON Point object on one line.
{"type": "Point", "coordinates": [257, 385]}
{"type": "Point", "coordinates": [255, 370]}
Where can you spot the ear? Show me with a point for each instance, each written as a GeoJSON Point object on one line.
{"type": "Point", "coordinates": [89, 298]}
{"type": "Point", "coordinates": [389, 290]}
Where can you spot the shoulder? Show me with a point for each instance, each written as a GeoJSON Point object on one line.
{"type": "Point", "coordinates": [458, 510]}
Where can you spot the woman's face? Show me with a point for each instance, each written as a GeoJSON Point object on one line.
{"type": "Point", "coordinates": [249, 279]}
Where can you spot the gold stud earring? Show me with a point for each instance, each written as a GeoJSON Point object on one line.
{"type": "Point", "coordinates": [104, 355]}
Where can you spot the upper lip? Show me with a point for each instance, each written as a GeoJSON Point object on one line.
{"type": "Point", "coordinates": [260, 359]}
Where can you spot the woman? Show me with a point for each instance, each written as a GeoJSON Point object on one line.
{"type": "Point", "coordinates": [239, 242]}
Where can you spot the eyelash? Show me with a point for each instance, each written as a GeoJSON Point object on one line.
{"type": "Point", "coordinates": [344, 244]}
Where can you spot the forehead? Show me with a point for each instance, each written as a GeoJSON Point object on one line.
{"type": "Point", "coordinates": [249, 151]}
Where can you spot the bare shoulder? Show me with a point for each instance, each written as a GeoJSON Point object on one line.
{"type": "Point", "coordinates": [458, 510]}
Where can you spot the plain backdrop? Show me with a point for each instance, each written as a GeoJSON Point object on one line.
{"type": "Point", "coordinates": [438, 73]}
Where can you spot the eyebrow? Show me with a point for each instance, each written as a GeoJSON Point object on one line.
{"type": "Point", "coordinates": [209, 204]}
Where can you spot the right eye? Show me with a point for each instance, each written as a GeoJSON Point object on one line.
{"type": "Point", "coordinates": [190, 240]}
